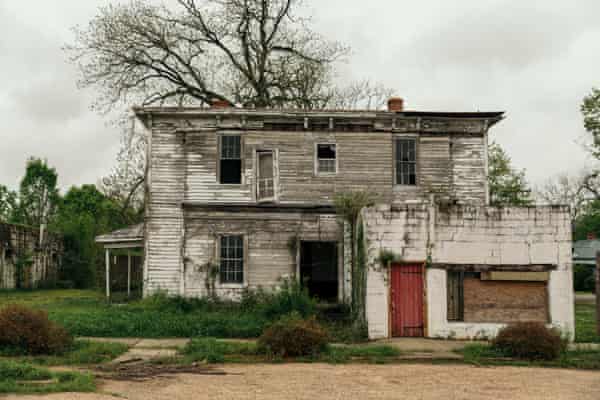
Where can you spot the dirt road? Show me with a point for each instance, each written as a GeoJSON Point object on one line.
{"type": "Point", "coordinates": [347, 382]}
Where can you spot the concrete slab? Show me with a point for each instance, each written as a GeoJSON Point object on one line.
{"type": "Point", "coordinates": [127, 341]}
{"type": "Point", "coordinates": [585, 298]}
{"type": "Point", "coordinates": [139, 354]}
{"type": "Point", "coordinates": [162, 343]}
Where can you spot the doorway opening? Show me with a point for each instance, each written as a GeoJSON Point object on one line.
{"type": "Point", "coordinates": [319, 270]}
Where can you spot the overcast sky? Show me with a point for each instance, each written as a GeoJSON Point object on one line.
{"type": "Point", "coordinates": [535, 60]}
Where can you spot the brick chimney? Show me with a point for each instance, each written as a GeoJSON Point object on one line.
{"type": "Point", "coordinates": [396, 104]}
{"type": "Point", "coordinates": [217, 103]}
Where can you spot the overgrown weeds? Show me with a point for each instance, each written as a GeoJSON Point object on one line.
{"type": "Point", "coordinates": [23, 378]}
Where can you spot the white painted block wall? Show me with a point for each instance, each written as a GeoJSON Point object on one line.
{"type": "Point", "coordinates": [468, 235]}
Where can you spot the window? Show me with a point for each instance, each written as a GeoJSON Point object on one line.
{"type": "Point", "coordinates": [326, 159]}
{"type": "Point", "coordinates": [230, 162]}
{"type": "Point", "coordinates": [265, 176]}
{"type": "Point", "coordinates": [232, 259]}
{"type": "Point", "coordinates": [406, 161]}
{"type": "Point", "coordinates": [455, 296]}
{"type": "Point", "coordinates": [456, 293]}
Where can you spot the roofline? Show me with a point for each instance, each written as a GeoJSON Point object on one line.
{"type": "Point", "coordinates": [492, 116]}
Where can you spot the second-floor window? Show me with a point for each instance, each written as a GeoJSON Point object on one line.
{"type": "Point", "coordinates": [326, 159]}
{"type": "Point", "coordinates": [406, 161]}
{"type": "Point", "coordinates": [230, 159]}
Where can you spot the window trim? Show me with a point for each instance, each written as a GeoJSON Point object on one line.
{"type": "Point", "coordinates": [395, 138]}
{"type": "Point", "coordinates": [233, 285]}
{"type": "Point", "coordinates": [220, 135]}
{"type": "Point", "coordinates": [256, 193]}
{"type": "Point", "coordinates": [316, 159]}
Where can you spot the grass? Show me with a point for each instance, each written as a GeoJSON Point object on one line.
{"type": "Point", "coordinates": [83, 353]}
{"type": "Point", "coordinates": [24, 378]}
{"type": "Point", "coordinates": [585, 324]}
{"type": "Point", "coordinates": [86, 313]}
{"type": "Point", "coordinates": [212, 350]}
{"type": "Point", "coordinates": [479, 354]}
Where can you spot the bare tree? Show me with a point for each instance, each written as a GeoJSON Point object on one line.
{"type": "Point", "coordinates": [256, 53]}
{"type": "Point", "coordinates": [575, 191]}
{"type": "Point", "coordinates": [125, 183]}
{"type": "Point", "coordinates": [253, 53]}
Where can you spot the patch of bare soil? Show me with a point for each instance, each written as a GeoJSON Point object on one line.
{"type": "Point", "coordinates": [349, 382]}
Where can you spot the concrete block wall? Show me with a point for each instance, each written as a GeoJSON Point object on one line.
{"type": "Point", "coordinates": [467, 235]}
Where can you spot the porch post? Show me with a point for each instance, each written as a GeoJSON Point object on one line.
{"type": "Point", "coordinates": [108, 273]}
{"type": "Point", "coordinates": [128, 273]}
{"type": "Point", "coordinates": [598, 292]}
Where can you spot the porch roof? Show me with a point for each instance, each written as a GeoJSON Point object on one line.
{"type": "Point", "coordinates": [130, 237]}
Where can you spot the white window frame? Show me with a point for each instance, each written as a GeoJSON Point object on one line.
{"type": "Point", "coordinates": [316, 159]}
{"type": "Point", "coordinates": [395, 138]}
{"type": "Point", "coordinates": [275, 154]}
{"type": "Point", "coordinates": [233, 285]}
{"type": "Point", "coordinates": [220, 136]}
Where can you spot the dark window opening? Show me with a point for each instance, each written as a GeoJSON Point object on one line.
{"type": "Point", "coordinates": [326, 158]}
{"type": "Point", "coordinates": [232, 259]}
{"type": "Point", "coordinates": [319, 269]}
{"type": "Point", "coordinates": [456, 295]}
{"type": "Point", "coordinates": [231, 160]}
{"type": "Point", "coordinates": [406, 162]}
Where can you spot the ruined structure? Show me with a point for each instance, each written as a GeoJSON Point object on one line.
{"type": "Point", "coordinates": [25, 262]}
{"type": "Point", "coordinates": [242, 198]}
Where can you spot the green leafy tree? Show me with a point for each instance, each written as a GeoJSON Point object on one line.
{"type": "Point", "coordinates": [8, 204]}
{"type": "Point", "coordinates": [83, 214]}
{"type": "Point", "coordinates": [590, 108]}
{"type": "Point", "coordinates": [348, 206]}
{"type": "Point", "coordinates": [507, 185]}
{"type": "Point", "coordinates": [38, 194]}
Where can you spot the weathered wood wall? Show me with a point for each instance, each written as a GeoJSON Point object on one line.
{"type": "Point", "coordinates": [20, 249]}
{"type": "Point", "coordinates": [183, 157]}
{"type": "Point", "coordinates": [270, 256]}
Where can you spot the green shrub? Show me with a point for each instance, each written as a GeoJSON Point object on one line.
{"type": "Point", "coordinates": [293, 336]}
{"type": "Point", "coordinates": [31, 332]}
{"type": "Point", "coordinates": [529, 341]}
{"type": "Point", "coordinates": [583, 278]}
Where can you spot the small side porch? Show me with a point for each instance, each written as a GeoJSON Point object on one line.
{"type": "Point", "coordinates": [124, 264]}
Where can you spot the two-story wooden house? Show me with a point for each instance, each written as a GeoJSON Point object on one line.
{"type": "Point", "coordinates": [243, 198]}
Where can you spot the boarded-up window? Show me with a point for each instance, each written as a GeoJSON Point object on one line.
{"type": "Point", "coordinates": [406, 161]}
{"type": "Point", "coordinates": [232, 259]}
{"type": "Point", "coordinates": [230, 161]}
{"type": "Point", "coordinates": [326, 159]}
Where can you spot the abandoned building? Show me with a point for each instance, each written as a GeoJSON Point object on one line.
{"type": "Point", "coordinates": [243, 198]}
{"type": "Point", "coordinates": [25, 261]}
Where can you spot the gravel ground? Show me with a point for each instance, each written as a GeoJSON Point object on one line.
{"type": "Point", "coordinates": [347, 382]}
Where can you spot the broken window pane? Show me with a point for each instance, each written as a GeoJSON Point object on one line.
{"type": "Point", "coordinates": [326, 158]}
{"type": "Point", "coordinates": [232, 259]}
{"type": "Point", "coordinates": [406, 162]}
{"type": "Point", "coordinates": [266, 181]}
{"type": "Point", "coordinates": [231, 160]}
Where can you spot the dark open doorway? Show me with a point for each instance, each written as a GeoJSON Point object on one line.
{"type": "Point", "coordinates": [319, 269]}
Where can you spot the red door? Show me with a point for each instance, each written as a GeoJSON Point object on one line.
{"type": "Point", "coordinates": [407, 300]}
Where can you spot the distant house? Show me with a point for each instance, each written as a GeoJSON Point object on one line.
{"type": "Point", "coordinates": [244, 197]}
{"type": "Point", "coordinates": [584, 251]}
{"type": "Point", "coordinates": [25, 261]}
